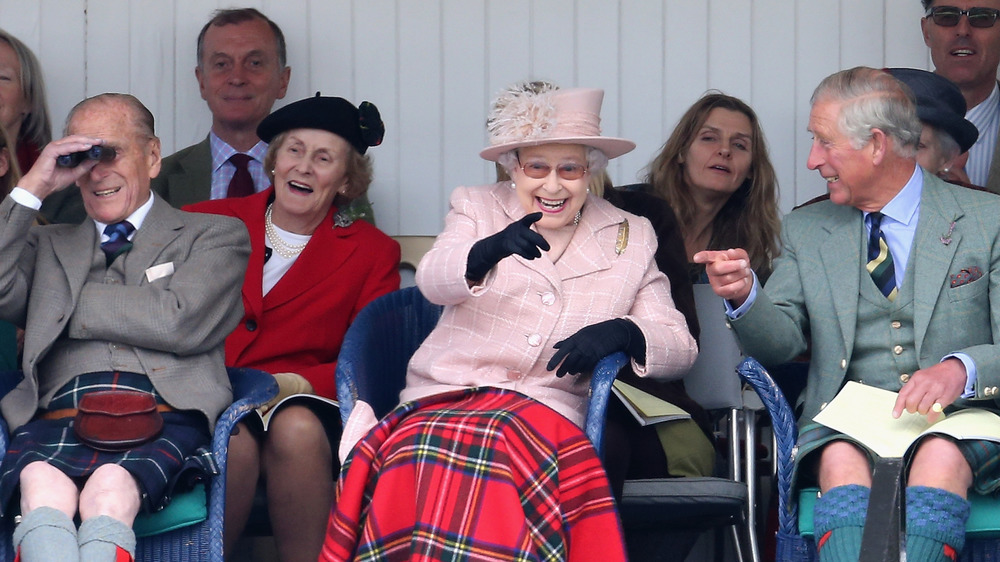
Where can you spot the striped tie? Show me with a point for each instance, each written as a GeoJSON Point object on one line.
{"type": "Point", "coordinates": [880, 259]}
{"type": "Point", "coordinates": [117, 243]}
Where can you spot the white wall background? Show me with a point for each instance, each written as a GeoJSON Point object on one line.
{"type": "Point", "coordinates": [432, 66]}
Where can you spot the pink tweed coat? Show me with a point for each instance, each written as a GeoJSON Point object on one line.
{"type": "Point", "coordinates": [501, 333]}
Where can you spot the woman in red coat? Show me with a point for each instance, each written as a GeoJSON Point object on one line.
{"type": "Point", "coordinates": [311, 270]}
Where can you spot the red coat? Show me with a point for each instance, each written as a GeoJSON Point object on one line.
{"type": "Point", "coordinates": [299, 326]}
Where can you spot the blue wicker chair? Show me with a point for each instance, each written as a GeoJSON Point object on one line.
{"type": "Point", "coordinates": [378, 345]}
{"type": "Point", "coordinates": [794, 537]}
{"type": "Point", "coordinates": [201, 541]}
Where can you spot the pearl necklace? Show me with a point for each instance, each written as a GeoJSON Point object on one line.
{"type": "Point", "coordinates": [284, 249]}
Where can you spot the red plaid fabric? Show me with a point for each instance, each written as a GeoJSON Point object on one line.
{"type": "Point", "coordinates": [474, 475]}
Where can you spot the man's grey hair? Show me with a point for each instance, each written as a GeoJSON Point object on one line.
{"type": "Point", "coordinates": [873, 99]}
{"type": "Point", "coordinates": [141, 117]}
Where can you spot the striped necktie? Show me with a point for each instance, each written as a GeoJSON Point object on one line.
{"type": "Point", "coordinates": [880, 258]}
{"type": "Point", "coordinates": [117, 243]}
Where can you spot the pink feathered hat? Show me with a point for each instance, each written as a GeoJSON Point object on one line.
{"type": "Point", "coordinates": [522, 117]}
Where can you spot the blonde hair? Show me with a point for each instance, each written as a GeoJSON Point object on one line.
{"type": "Point", "coordinates": [13, 175]}
{"type": "Point", "coordinates": [749, 219]}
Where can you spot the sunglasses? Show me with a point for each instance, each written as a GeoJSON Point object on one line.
{"type": "Point", "coordinates": [948, 16]}
{"type": "Point", "coordinates": [539, 170]}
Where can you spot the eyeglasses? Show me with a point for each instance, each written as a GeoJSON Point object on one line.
{"type": "Point", "coordinates": [539, 170]}
{"type": "Point", "coordinates": [948, 16]}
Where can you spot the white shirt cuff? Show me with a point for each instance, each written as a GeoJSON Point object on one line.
{"type": "Point", "coordinates": [23, 197]}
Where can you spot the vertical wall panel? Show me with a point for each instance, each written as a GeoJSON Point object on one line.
{"type": "Point", "coordinates": [861, 40]}
{"type": "Point", "coordinates": [109, 30]}
{"type": "Point", "coordinates": [553, 41]}
{"type": "Point", "coordinates": [773, 90]}
{"type": "Point", "coordinates": [643, 93]}
{"type": "Point", "coordinates": [464, 100]}
{"type": "Point", "coordinates": [815, 59]}
{"type": "Point", "coordinates": [729, 47]}
{"type": "Point", "coordinates": [192, 120]}
{"type": "Point", "coordinates": [903, 39]}
{"type": "Point", "coordinates": [685, 65]}
{"type": "Point", "coordinates": [598, 64]}
{"type": "Point", "coordinates": [60, 49]}
{"type": "Point", "coordinates": [330, 66]}
{"type": "Point", "coordinates": [376, 53]}
{"type": "Point", "coordinates": [420, 112]}
{"type": "Point", "coordinates": [151, 60]}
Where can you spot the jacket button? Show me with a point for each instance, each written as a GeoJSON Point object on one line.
{"type": "Point", "coordinates": [534, 340]}
{"type": "Point", "coordinates": [898, 350]}
{"type": "Point", "coordinates": [903, 378]}
{"type": "Point", "coordinates": [548, 299]}
{"type": "Point", "coordinates": [897, 324]}
{"type": "Point", "coordinates": [251, 325]}
{"type": "Point", "coordinates": [513, 374]}
{"type": "Point", "coordinates": [843, 363]}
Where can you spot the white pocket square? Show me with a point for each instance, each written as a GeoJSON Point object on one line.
{"type": "Point", "coordinates": [159, 271]}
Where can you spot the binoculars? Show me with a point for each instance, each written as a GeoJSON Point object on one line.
{"type": "Point", "coordinates": [101, 153]}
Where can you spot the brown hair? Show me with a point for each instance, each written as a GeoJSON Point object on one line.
{"type": "Point", "coordinates": [749, 219]}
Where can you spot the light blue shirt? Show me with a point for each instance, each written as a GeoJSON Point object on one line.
{"type": "Point", "coordinates": [902, 213]}
{"type": "Point", "coordinates": [986, 118]}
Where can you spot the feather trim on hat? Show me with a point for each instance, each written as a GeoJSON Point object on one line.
{"type": "Point", "coordinates": [523, 112]}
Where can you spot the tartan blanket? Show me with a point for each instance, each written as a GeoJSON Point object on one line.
{"type": "Point", "coordinates": [474, 475]}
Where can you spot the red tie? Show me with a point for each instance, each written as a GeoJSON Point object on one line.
{"type": "Point", "coordinates": [242, 183]}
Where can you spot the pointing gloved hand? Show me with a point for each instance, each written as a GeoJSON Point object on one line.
{"type": "Point", "coordinates": [517, 238]}
{"type": "Point", "coordinates": [580, 352]}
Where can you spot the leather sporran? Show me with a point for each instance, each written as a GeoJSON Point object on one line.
{"type": "Point", "coordinates": [117, 420]}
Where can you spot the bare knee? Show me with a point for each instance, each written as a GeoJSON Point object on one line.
{"type": "Point", "coordinates": [939, 463]}
{"type": "Point", "coordinates": [45, 485]}
{"type": "Point", "coordinates": [113, 491]}
{"type": "Point", "coordinates": [842, 463]}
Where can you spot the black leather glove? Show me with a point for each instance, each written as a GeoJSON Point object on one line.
{"type": "Point", "coordinates": [580, 352]}
{"type": "Point", "coordinates": [517, 238]}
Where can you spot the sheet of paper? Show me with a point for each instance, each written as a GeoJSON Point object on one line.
{"type": "Point", "coordinates": [865, 413]}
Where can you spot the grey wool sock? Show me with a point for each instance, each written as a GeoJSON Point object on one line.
{"type": "Point", "coordinates": [101, 536]}
{"type": "Point", "coordinates": [46, 534]}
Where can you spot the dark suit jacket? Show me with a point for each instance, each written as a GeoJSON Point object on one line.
{"type": "Point", "coordinates": [186, 175]}
{"type": "Point", "coordinates": [176, 324]}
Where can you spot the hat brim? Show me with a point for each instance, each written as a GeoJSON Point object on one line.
{"type": "Point", "coordinates": [611, 147]}
{"type": "Point", "coordinates": [962, 130]}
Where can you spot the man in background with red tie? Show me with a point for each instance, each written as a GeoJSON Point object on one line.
{"type": "Point", "coordinates": [889, 283]}
{"type": "Point", "coordinates": [241, 72]}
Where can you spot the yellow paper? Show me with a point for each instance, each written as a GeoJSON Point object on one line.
{"type": "Point", "coordinates": [865, 413]}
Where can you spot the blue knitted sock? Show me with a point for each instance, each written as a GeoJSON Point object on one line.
{"type": "Point", "coordinates": [935, 524]}
{"type": "Point", "coordinates": [839, 521]}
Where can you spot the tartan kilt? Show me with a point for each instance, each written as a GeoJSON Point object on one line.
{"type": "Point", "coordinates": [983, 456]}
{"type": "Point", "coordinates": [477, 474]}
{"type": "Point", "coordinates": [178, 458]}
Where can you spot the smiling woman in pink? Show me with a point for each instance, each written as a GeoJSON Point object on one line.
{"type": "Point", "coordinates": [485, 459]}
{"type": "Point", "coordinates": [715, 172]}
{"type": "Point", "coordinates": [312, 269]}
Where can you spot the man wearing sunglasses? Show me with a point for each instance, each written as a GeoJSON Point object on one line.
{"type": "Point", "coordinates": [964, 40]}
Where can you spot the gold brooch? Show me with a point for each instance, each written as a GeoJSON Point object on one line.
{"type": "Point", "coordinates": [622, 242]}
